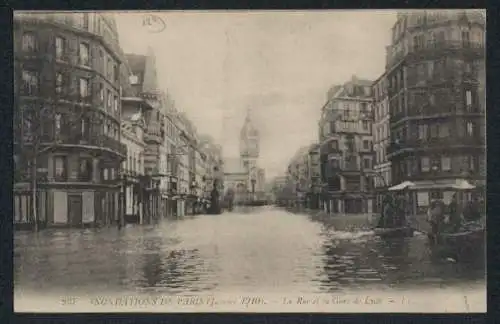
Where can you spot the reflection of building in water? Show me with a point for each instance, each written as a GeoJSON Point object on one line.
{"type": "Point", "coordinates": [243, 174]}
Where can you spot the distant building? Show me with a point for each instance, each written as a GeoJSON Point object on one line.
{"type": "Point", "coordinates": [249, 153]}
{"type": "Point", "coordinates": [235, 179]}
{"type": "Point", "coordinates": [346, 148]}
{"type": "Point", "coordinates": [133, 166]}
{"type": "Point", "coordinates": [314, 181]}
{"type": "Point", "coordinates": [144, 88]}
{"type": "Point", "coordinates": [243, 174]}
{"type": "Point", "coordinates": [298, 174]}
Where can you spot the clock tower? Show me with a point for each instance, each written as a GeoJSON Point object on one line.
{"type": "Point", "coordinates": [249, 150]}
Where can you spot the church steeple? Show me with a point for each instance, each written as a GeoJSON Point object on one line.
{"type": "Point", "coordinates": [249, 137]}
{"type": "Point", "coordinates": [249, 130]}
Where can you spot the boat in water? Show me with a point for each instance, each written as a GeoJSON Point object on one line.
{"type": "Point", "coordinates": [469, 240]}
{"type": "Point", "coordinates": [393, 232]}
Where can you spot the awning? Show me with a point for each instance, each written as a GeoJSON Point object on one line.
{"type": "Point", "coordinates": [402, 185]}
{"type": "Point", "coordinates": [462, 184]}
{"type": "Point", "coordinates": [451, 184]}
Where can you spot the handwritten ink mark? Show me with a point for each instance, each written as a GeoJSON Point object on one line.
{"type": "Point", "coordinates": [153, 23]}
{"type": "Point", "coordinates": [467, 307]}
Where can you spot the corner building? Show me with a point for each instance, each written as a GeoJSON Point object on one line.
{"type": "Point", "coordinates": [69, 65]}
{"type": "Point", "coordinates": [346, 148]}
{"type": "Point", "coordinates": [436, 77]}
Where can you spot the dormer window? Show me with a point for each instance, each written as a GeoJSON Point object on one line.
{"type": "Point", "coordinates": [133, 79]}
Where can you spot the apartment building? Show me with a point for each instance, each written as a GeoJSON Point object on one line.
{"type": "Point", "coordinates": [346, 148]}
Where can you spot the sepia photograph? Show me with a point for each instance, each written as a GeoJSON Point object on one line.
{"type": "Point", "coordinates": [250, 161]}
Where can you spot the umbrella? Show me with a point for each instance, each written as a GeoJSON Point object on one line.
{"type": "Point", "coordinates": [401, 186]}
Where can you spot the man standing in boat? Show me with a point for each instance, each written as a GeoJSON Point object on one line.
{"type": "Point", "coordinates": [454, 214]}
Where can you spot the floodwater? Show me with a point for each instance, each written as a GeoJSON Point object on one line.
{"type": "Point", "coordinates": [264, 249]}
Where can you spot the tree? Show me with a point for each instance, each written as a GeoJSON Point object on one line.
{"type": "Point", "coordinates": [49, 105]}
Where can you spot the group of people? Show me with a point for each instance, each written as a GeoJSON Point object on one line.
{"type": "Point", "coordinates": [471, 212]}
{"type": "Point", "coordinates": [395, 210]}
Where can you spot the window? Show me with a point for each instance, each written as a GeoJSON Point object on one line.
{"type": "Point", "coordinates": [27, 130]}
{"type": "Point", "coordinates": [30, 82]}
{"type": "Point", "coordinates": [422, 132]}
{"type": "Point", "coordinates": [57, 123]}
{"type": "Point", "coordinates": [468, 99]}
{"type": "Point", "coordinates": [84, 54]}
{"type": "Point", "coordinates": [115, 104]}
{"type": "Point", "coordinates": [60, 48]}
{"type": "Point", "coordinates": [84, 88]}
{"type": "Point", "coordinates": [470, 129]}
{"type": "Point", "coordinates": [332, 127]}
{"type": "Point", "coordinates": [418, 41]}
{"type": "Point", "coordinates": [116, 72]}
{"type": "Point", "coordinates": [445, 163]}
{"type": "Point", "coordinates": [110, 100]}
{"type": "Point", "coordinates": [109, 70]}
{"type": "Point", "coordinates": [444, 130]}
{"type": "Point", "coordinates": [434, 130]}
{"type": "Point", "coordinates": [85, 127]}
{"type": "Point", "coordinates": [85, 169]}
{"type": "Point", "coordinates": [364, 108]}
{"type": "Point", "coordinates": [101, 93]}
{"type": "Point", "coordinates": [472, 163]}
{"type": "Point", "coordinates": [29, 42]}
{"type": "Point", "coordinates": [367, 163]}
{"type": "Point", "coordinates": [432, 99]}
{"type": "Point", "coordinates": [59, 83]}
{"type": "Point", "coordinates": [465, 37]}
{"type": "Point", "coordinates": [60, 168]}
{"type": "Point", "coordinates": [435, 164]}
{"type": "Point", "coordinates": [440, 36]}
{"type": "Point", "coordinates": [424, 164]}
{"type": "Point", "coordinates": [334, 145]}
{"type": "Point", "coordinates": [436, 194]}
{"type": "Point", "coordinates": [133, 79]}
{"type": "Point", "coordinates": [409, 166]}
{"type": "Point", "coordinates": [365, 125]}
{"type": "Point", "coordinates": [366, 144]}
{"type": "Point", "coordinates": [334, 164]}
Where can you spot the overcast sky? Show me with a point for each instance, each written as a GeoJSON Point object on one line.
{"type": "Point", "coordinates": [217, 64]}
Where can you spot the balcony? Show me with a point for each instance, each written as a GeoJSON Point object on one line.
{"type": "Point", "coordinates": [153, 133]}
{"type": "Point", "coordinates": [430, 47]}
{"type": "Point", "coordinates": [436, 143]}
{"type": "Point", "coordinates": [92, 141]}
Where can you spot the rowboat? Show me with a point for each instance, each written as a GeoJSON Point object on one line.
{"type": "Point", "coordinates": [392, 232]}
{"type": "Point", "coordinates": [468, 241]}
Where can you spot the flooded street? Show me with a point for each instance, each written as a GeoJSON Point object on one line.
{"type": "Point", "coordinates": [265, 249]}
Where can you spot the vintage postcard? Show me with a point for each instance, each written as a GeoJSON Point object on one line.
{"type": "Point", "coordinates": [250, 161]}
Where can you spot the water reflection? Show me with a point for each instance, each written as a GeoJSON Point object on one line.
{"type": "Point", "coordinates": [250, 250]}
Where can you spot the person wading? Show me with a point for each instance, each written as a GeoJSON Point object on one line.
{"type": "Point", "coordinates": [435, 216]}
